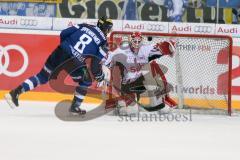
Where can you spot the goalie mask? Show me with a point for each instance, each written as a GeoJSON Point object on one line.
{"type": "Point", "coordinates": [135, 41]}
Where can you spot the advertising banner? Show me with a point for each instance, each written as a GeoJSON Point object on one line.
{"type": "Point", "coordinates": [189, 11]}
{"type": "Point", "coordinates": [58, 24]}
{"type": "Point", "coordinates": [145, 26]}
{"type": "Point", "coordinates": [25, 22]}
{"type": "Point", "coordinates": [147, 10]}
{"type": "Point", "coordinates": [192, 28]}
{"type": "Point", "coordinates": [62, 23]}
{"type": "Point", "coordinates": [236, 71]}
{"type": "Point", "coordinates": [23, 55]}
{"type": "Point", "coordinates": [231, 30]}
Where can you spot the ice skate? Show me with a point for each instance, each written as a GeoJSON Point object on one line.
{"type": "Point", "coordinates": [76, 110]}
{"type": "Point", "coordinates": [12, 97]}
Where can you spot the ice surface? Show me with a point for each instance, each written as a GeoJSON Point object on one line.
{"type": "Point", "coordinates": [33, 132]}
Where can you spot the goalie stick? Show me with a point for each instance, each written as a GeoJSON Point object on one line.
{"type": "Point", "coordinates": [112, 103]}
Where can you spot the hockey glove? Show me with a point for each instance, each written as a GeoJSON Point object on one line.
{"type": "Point", "coordinates": [100, 77]}
{"type": "Point", "coordinates": [167, 47]}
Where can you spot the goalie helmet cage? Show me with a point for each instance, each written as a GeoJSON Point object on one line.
{"type": "Point", "coordinates": [200, 70]}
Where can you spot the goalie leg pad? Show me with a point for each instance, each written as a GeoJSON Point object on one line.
{"type": "Point", "coordinates": [155, 78]}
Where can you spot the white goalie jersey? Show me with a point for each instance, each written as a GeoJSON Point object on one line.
{"type": "Point", "coordinates": [131, 62]}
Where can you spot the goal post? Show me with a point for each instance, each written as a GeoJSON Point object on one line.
{"type": "Point", "coordinates": [200, 71]}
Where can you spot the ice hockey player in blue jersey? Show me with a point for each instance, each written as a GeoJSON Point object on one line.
{"type": "Point", "coordinates": [83, 45]}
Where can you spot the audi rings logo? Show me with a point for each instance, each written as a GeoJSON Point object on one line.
{"type": "Point", "coordinates": [203, 29]}
{"type": "Point", "coordinates": [28, 22]}
{"type": "Point", "coordinates": [4, 53]}
{"type": "Point", "coordinates": [155, 27]}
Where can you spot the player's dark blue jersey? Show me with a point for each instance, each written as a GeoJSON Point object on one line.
{"type": "Point", "coordinates": [83, 40]}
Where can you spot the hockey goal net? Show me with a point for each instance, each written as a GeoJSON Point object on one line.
{"type": "Point", "coordinates": [199, 71]}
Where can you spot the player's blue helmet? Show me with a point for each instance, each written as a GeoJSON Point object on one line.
{"type": "Point", "coordinates": [105, 24]}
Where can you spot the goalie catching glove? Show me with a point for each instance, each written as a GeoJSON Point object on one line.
{"type": "Point", "coordinates": [166, 47]}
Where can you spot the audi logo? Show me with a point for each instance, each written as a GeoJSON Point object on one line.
{"type": "Point", "coordinates": [203, 29]}
{"type": "Point", "coordinates": [28, 22]}
{"type": "Point", "coordinates": [4, 53]}
{"type": "Point", "coordinates": [155, 27]}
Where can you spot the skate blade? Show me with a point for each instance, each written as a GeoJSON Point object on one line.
{"type": "Point", "coordinates": [8, 99]}
{"type": "Point", "coordinates": [76, 114]}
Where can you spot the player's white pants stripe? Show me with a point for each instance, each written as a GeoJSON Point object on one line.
{"type": "Point", "coordinates": [38, 82]}
{"type": "Point", "coordinates": [30, 84]}
{"type": "Point", "coordinates": [79, 96]}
